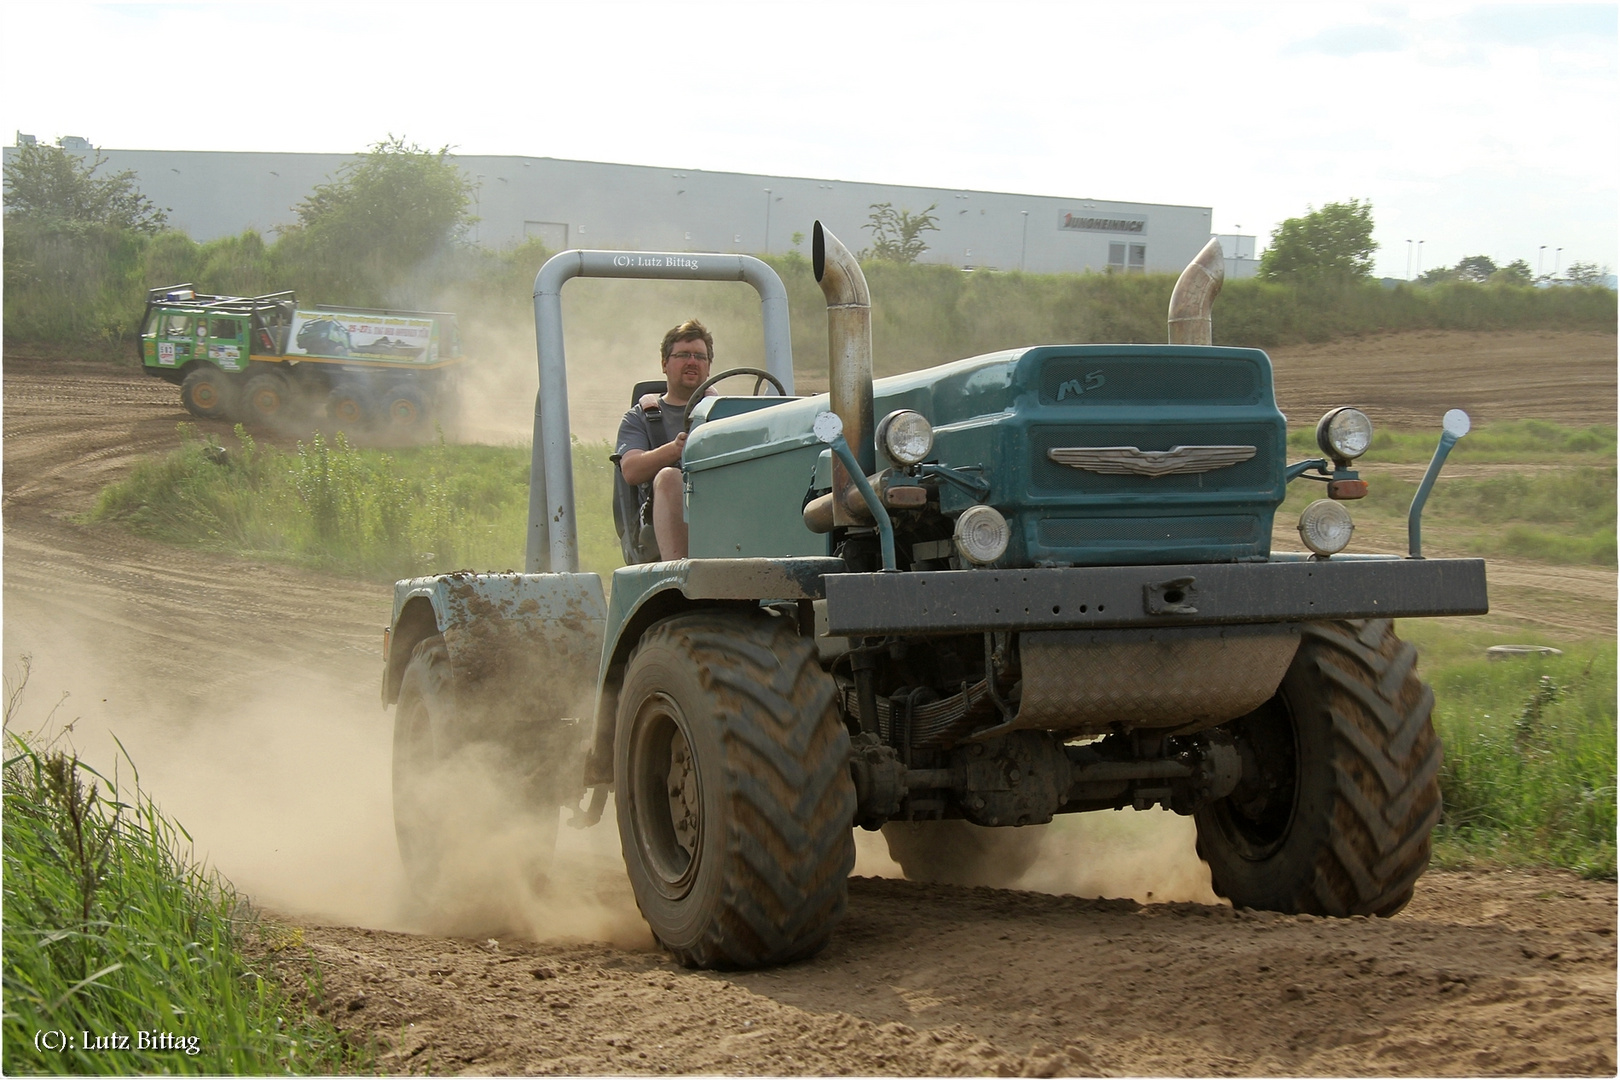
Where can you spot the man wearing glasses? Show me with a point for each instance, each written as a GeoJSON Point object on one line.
{"type": "Point", "coordinates": [650, 442]}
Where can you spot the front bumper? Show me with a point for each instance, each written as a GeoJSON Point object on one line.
{"type": "Point", "coordinates": [1198, 594]}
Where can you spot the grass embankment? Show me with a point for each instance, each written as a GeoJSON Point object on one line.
{"type": "Point", "coordinates": [123, 957]}
{"type": "Point", "coordinates": [1530, 767]}
{"type": "Point", "coordinates": [1562, 511]}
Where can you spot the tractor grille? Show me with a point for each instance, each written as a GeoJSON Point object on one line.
{"type": "Point", "coordinates": [1148, 532]}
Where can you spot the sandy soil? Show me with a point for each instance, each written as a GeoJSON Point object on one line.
{"type": "Point", "coordinates": [245, 693]}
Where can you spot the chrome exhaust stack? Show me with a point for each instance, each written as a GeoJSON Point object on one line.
{"type": "Point", "coordinates": [1194, 295]}
{"type": "Point", "coordinates": [849, 349]}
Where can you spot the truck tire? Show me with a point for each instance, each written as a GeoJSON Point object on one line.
{"type": "Point", "coordinates": [349, 408]}
{"type": "Point", "coordinates": [733, 791]}
{"type": "Point", "coordinates": [269, 398]}
{"type": "Point", "coordinates": [405, 411]}
{"type": "Point", "coordinates": [208, 393]}
{"type": "Point", "coordinates": [957, 852]}
{"type": "Point", "coordinates": [453, 794]}
{"type": "Point", "coordinates": [1340, 786]}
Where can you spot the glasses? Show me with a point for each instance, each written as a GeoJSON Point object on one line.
{"type": "Point", "coordinates": [689, 356]}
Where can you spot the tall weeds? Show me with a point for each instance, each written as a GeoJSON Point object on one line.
{"type": "Point", "coordinates": [1529, 772]}
{"type": "Point", "coordinates": [122, 955]}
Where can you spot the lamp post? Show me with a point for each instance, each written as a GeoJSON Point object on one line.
{"type": "Point", "coordinates": [1023, 244]}
{"type": "Point", "coordinates": [1409, 260]}
{"type": "Point", "coordinates": [1420, 258]}
{"type": "Point", "coordinates": [1558, 261]}
{"type": "Point", "coordinates": [767, 221]}
{"type": "Point", "coordinates": [1540, 255]}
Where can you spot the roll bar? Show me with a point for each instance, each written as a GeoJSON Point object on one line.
{"type": "Point", "coordinates": [553, 534]}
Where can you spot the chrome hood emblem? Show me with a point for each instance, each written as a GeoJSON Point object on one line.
{"type": "Point", "coordinates": [1129, 460]}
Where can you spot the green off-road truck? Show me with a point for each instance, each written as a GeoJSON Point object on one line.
{"type": "Point", "coordinates": [950, 604]}
{"type": "Point", "coordinates": [265, 360]}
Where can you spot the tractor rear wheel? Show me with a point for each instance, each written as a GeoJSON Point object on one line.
{"type": "Point", "coordinates": [733, 791]}
{"type": "Point", "coordinates": [1340, 786]}
{"type": "Point", "coordinates": [208, 393]}
{"type": "Point", "coordinates": [460, 793]}
{"type": "Point", "coordinates": [957, 852]}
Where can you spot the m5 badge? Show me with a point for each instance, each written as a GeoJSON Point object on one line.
{"type": "Point", "coordinates": [1075, 387]}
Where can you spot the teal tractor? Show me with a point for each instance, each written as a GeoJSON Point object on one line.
{"type": "Point", "coordinates": [949, 605]}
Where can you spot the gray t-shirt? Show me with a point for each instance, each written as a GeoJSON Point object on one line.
{"type": "Point", "coordinates": [644, 429]}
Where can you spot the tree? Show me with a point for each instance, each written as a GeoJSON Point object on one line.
{"type": "Point", "coordinates": [897, 234]}
{"type": "Point", "coordinates": [1331, 244]}
{"type": "Point", "coordinates": [380, 218]}
{"type": "Point", "coordinates": [1474, 268]}
{"type": "Point", "coordinates": [48, 186]}
{"type": "Point", "coordinates": [1585, 273]}
{"type": "Point", "coordinates": [1517, 272]}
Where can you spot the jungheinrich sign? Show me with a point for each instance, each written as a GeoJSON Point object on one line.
{"type": "Point", "coordinates": [1097, 223]}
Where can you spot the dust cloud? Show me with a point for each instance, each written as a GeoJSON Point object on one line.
{"type": "Point", "coordinates": [282, 779]}
{"type": "Point", "coordinates": [1147, 856]}
{"type": "Point", "coordinates": [612, 330]}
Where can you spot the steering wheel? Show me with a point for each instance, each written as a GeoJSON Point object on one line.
{"type": "Point", "coordinates": [697, 395]}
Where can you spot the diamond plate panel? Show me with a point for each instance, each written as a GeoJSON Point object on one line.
{"type": "Point", "coordinates": [1083, 682]}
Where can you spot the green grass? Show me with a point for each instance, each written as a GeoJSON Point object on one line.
{"type": "Point", "coordinates": [333, 506]}
{"type": "Point", "coordinates": [111, 929]}
{"type": "Point", "coordinates": [1513, 442]}
{"type": "Point", "coordinates": [1563, 515]}
{"type": "Point", "coordinates": [1529, 771]}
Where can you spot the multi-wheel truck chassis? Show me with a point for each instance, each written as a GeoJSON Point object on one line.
{"type": "Point", "coordinates": [264, 360]}
{"type": "Point", "coordinates": [1043, 583]}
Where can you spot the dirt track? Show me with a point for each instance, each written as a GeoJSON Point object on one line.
{"type": "Point", "coordinates": [246, 694]}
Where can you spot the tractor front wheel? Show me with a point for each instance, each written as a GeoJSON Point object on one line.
{"type": "Point", "coordinates": [1340, 787]}
{"type": "Point", "coordinates": [733, 790]}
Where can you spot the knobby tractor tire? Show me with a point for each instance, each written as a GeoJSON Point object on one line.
{"type": "Point", "coordinates": [956, 852]}
{"type": "Point", "coordinates": [208, 393]}
{"type": "Point", "coordinates": [406, 412]}
{"type": "Point", "coordinates": [462, 802]}
{"type": "Point", "coordinates": [269, 398]}
{"type": "Point", "coordinates": [1340, 787]}
{"type": "Point", "coordinates": [733, 791]}
{"type": "Point", "coordinates": [349, 408]}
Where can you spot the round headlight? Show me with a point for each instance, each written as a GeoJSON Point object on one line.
{"type": "Point", "coordinates": [1325, 527]}
{"type": "Point", "coordinates": [905, 436]}
{"type": "Point", "coordinates": [982, 535]}
{"type": "Point", "coordinates": [1344, 434]}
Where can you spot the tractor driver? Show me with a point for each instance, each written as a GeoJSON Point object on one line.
{"type": "Point", "coordinates": [649, 447]}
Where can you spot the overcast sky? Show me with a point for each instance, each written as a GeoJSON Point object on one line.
{"type": "Point", "coordinates": [1477, 128]}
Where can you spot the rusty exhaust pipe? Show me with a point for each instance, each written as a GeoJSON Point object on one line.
{"type": "Point", "coordinates": [849, 349]}
{"type": "Point", "coordinates": [1194, 295]}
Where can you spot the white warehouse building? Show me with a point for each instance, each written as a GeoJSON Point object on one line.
{"type": "Point", "coordinates": [587, 204]}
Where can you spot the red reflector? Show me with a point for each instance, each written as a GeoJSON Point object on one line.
{"type": "Point", "coordinates": [1347, 489]}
